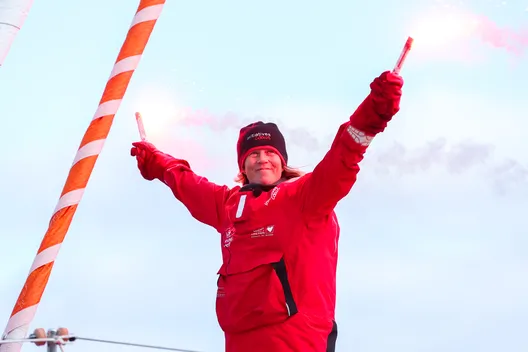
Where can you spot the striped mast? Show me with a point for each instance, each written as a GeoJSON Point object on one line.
{"type": "Point", "coordinates": [13, 14]}
{"type": "Point", "coordinates": [91, 145]}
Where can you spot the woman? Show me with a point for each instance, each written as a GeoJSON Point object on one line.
{"type": "Point", "coordinates": [279, 233]}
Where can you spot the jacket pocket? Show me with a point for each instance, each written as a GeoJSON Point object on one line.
{"type": "Point", "coordinates": [253, 298]}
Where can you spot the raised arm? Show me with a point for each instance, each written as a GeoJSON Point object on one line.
{"type": "Point", "coordinates": [204, 200]}
{"type": "Point", "coordinates": [333, 178]}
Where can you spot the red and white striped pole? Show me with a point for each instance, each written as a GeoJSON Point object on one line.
{"type": "Point", "coordinates": [91, 145]}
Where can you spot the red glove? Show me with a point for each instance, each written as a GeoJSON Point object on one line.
{"type": "Point", "coordinates": [151, 162]}
{"type": "Point", "coordinates": [383, 102]}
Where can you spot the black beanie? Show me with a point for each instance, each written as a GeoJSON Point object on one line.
{"type": "Point", "coordinates": [260, 134]}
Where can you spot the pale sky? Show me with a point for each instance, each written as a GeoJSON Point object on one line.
{"type": "Point", "coordinates": [433, 243]}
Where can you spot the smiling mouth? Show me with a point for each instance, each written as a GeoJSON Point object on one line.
{"type": "Point", "coordinates": [263, 169]}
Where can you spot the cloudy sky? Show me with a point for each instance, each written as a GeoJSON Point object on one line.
{"type": "Point", "coordinates": [434, 240]}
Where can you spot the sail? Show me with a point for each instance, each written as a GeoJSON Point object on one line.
{"type": "Point", "coordinates": [13, 14]}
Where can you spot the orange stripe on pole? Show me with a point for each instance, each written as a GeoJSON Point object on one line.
{"type": "Point", "coordinates": [38, 278]}
{"type": "Point", "coordinates": [140, 34]}
{"type": "Point", "coordinates": [91, 145]}
{"type": "Point", "coordinates": [97, 129]}
{"type": "Point", "coordinates": [79, 174]}
{"type": "Point", "coordinates": [58, 228]}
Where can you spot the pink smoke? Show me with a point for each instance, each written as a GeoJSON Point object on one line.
{"type": "Point", "coordinates": [191, 151]}
{"type": "Point", "coordinates": [454, 158]}
{"type": "Point", "coordinates": [459, 158]}
{"type": "Point", "coordinates": [513, 41]}
{"type": "Point", "coordinates": [446, 34]}
{"type": "Point", "coordinates": [298, 136]}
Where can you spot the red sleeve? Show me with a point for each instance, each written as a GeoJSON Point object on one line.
{"type": "Point", "coordinates": [204, 200]}
{"type": "Point", "coordinates": [333, 178]}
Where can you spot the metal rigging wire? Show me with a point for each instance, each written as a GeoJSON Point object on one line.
{"type": "Point", "coordinates": [63, 340]}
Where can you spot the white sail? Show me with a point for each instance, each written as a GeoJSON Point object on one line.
{"type": "Point", "coordinates": [13, 13]}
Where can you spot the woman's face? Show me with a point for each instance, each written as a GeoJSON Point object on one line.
{"type": "Point", "coordinates": [263, 166]}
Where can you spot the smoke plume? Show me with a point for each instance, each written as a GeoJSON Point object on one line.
{"type": "Point", "coordinates": [457, 158]}
{"type": "Point", "coordinates": [297, 136]}
{"type": "Point", "coordinates": [515, 42]}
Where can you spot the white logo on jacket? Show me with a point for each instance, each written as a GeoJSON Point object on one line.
{"type": "Point", "coordinates": [229, 233]}
{"type": "Point", "coordinates": [263, 232]}
{"type": "Point", "coordinates": [273, 195]}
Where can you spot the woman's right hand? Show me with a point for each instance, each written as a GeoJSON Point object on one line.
{"type": "Point", "coordinates": [152, 163]}
{"type": "Point", "coordinates": [145, 154]}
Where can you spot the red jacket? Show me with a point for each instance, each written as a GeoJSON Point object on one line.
{"type": "Point", "coordinates": [279, 245]}
{"type": "Point", "coordinates": [277, 284]}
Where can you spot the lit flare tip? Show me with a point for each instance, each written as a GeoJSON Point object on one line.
{"type": "Point", "coordinates": [141, 127]}
{"type": "Point", "coordinates": [403, 55]}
